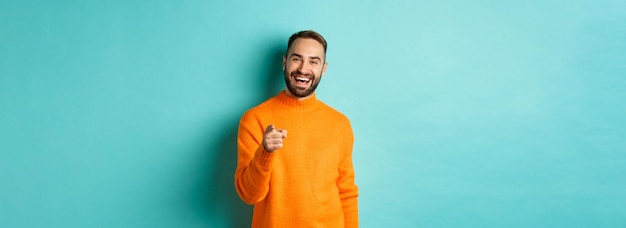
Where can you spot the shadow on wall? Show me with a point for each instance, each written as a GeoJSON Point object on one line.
{"type": "Point", "coordinates": [222, 196]}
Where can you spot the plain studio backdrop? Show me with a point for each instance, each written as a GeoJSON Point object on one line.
{"type": "Point", "coordinates": [465, 113]}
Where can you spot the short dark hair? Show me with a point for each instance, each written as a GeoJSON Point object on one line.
{"type": "Point", "coordinates": [310, 34]}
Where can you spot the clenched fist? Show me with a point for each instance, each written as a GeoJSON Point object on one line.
{"type": "Point", "coordinates": [273, 138]}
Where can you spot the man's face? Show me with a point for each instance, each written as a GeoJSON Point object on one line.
{"type": "Point", "coordinates": [304, 66]}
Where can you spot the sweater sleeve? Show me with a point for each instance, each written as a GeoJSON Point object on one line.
{"type": "Point", "coordinates": [254, 164]}
{"type": "Point", "coordinates": [348, 191]}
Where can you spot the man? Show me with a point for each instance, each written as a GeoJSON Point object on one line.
{"type": "Point", "coordinates": [306, 179]}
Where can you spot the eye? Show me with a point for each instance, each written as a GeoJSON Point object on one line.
{"type": "Point", "coordinates": [295, 59]}
{"type": "Point", "coordinates": [313, 62]}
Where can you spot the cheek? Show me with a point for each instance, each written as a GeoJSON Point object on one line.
{"type": "Point", "coordinates": [321, 72]}
{"type": "Point", "coordinates": [290, 68]}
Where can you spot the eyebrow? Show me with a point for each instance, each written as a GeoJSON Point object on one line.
{"type": "Point", "coordinates": [300, 56]}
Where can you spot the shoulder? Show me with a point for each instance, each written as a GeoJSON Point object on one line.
{"type": "Point", "coordinates": [263, 107]}
{"type": "Point", "coordinates": [333, 113]}
{"type": "Point", "coordinates": [339, 121]}
{"type": "Point", "coordinates": [257, 112]}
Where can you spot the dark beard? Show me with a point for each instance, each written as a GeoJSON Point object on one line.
{"type": "Point", "coordinates": [301, 93]}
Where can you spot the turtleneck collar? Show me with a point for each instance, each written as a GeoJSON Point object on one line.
{"type": "Point", "coordinates": [295, 104]}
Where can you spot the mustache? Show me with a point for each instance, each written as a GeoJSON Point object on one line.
{"type": "Point", "coordinates": [297, 72]}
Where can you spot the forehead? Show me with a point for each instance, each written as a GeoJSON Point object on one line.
{"type": "Point", "coordinates": [307, 47]}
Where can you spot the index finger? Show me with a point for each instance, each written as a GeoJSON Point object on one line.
{"type": "Point", "coordinates": [282, 131]}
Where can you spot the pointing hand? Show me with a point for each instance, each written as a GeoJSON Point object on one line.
{"type": "Point", "coordinates": [273, 138]}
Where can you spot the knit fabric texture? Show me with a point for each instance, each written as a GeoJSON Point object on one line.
{"type": "Point", "coordinates": [309, 182]}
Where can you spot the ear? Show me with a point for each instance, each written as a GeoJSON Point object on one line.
{"type": "Point", "coordinates": [284, 62]}
{"type": "Point", "coordinates": [324, 69]}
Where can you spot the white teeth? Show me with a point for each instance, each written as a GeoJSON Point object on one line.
{"type": "Point", "coordinates": [303, 79]}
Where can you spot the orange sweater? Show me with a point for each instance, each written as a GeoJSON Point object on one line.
{"type": "Point", "coordinates": [309, 182]}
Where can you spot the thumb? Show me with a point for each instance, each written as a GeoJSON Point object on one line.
{"type": "Point", "coordinates": [269, 128]}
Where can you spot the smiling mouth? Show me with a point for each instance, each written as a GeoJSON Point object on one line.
{"type": "Point", "coordinates": [301, 81]}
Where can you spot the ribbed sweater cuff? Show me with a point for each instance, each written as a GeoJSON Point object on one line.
{"type": "Point", "coordinates": [264, 159]}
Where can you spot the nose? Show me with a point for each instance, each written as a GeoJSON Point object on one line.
{"type": "Point", "coordinates": [301, 66]}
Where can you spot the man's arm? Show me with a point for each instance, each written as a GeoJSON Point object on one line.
{"type": "Point", "coordinates": [255, 158]}
{"type": "Point", "coordinates": [254, 164]}
{"type": "Point", "coordinates": [348, 191]}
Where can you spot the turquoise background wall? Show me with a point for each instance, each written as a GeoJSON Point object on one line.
{"type": "Point", "coordinates": [465, 113]}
